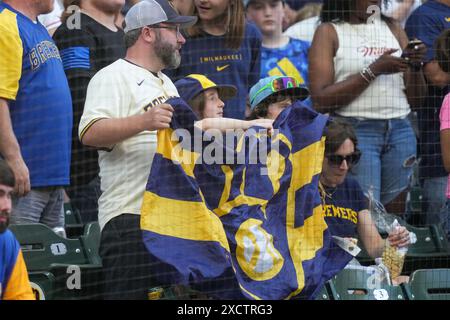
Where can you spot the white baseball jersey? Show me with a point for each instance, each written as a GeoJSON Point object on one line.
{"type": "Point", "coordinates": [121, 90]}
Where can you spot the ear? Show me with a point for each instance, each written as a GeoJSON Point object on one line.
{"type": "Point", "coordinates": [148, 34]}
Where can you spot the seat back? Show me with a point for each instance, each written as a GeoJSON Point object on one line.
{"type": "Point", "coordinates": [361, 284]}
{"type": "Point", "coordinates": [91, 242]}
{"type": "Point", "coordinates": [427, 241]}
{"type": "Point", "coordinates": [429, 284]}
{"type": "Point", "coordinates": [42, 247]}
{"type": "Point", "coordinates": [42, 284]}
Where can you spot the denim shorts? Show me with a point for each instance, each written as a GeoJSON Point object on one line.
{"type": "Point", "coordinates": [388, 150]}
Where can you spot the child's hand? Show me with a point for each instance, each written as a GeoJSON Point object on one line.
{"type": "Point", "coordinates": [265, 123]}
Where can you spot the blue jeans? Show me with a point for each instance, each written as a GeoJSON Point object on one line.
{"type": "Point", "coordinates": [388, 150]}
{"type": "Point", "coordinates": [433, 201]}
{"type": "Point", "coordinates": [40, 205]}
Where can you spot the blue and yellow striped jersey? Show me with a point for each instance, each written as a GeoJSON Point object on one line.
{"type": "Point", "coordinates": [33, 81]}
{"type": "Point", "coordinates": [14, 283]}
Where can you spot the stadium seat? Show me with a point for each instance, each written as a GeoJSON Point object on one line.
{"type": "Point", "coordinates": [360, 284]}
{"type": "Point", "coordinates": [43, 285]}
{"type": "Point", "coordinates": [429, 284]}
{"type": "Point", "coordinates": [74, 264]}
{"type": "Point", "coordinates": [91, 242]}
{"type": "Point", "coordinates": [42, 247]}
{"type": "Point", "coordinates": [324, 293]}
{"type": "Point", "coordinates": [73, 223]}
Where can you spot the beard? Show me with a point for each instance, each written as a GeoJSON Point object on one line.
{"type": "Point", "coordinates": [167, 53]}
{"type": "Point", "coordinates": [4, 224]}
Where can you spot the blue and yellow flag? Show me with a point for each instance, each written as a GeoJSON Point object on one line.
{"type": "Point", "coordinates": [251, 227]}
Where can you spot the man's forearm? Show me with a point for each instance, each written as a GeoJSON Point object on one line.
{"type": "Point", "coordinates": [105, 133]}
{"type": "Point", "coordinates": [9, 147]}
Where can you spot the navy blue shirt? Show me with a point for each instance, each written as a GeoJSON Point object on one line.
{"type": "Point", "coordinates": [426, 23]}
{"type": "Point", "coordinates": [342, 206]}
{"type": "Point", "coordinates": [208, 55]}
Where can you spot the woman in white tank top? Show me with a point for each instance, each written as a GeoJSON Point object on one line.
{"type": "Point", "coordinates": [357, 72]}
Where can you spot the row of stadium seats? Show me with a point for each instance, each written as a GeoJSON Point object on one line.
{"type": "Point", "coordinates": [425, 284]}
{"type": "Point", "coordinates": [61, 268]}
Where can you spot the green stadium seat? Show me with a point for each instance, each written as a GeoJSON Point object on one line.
{"type": "Point", "coordinates": [67, 260]}
{"type": "Point", "coordinates": [324, 294]}
{"type": "Point", "coordinates": [43, 285]}
{"type": "Point", "coordinates": [42, 247]}
{"type": "Point", "coordinates": [73, 223]}
{"type": "Point", "coordinates": [429, 284]}
{"type": "Point", "coordinates": [359, 284]}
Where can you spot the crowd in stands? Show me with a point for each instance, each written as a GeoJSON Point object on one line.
{"type": "Point", "coordinates": [84, 85]}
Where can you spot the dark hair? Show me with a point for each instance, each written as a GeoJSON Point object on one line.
{"type": "Point", "coordinates": [261, 110]}
{"type": "Point", "coordinates": [443, 50]}
{"type": "Point", "coordinates": [336, 133]}
{"type": "Point", "coordinates": [235, 25]}
{"type": "Point", "coordinates": [341, 10]}
{"type": "Point", "coordinates": [6, 174]}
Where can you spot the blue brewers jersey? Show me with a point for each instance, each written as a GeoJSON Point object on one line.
{"type": "Point", "coordinates": [32, 79]}
{"type": "Point", "coordinates": [342, 206]}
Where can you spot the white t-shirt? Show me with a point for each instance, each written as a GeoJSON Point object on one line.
{"type": "Point", "coordinates": [304, 30]}
{"type": "Point", "coordinates": [121, 90]}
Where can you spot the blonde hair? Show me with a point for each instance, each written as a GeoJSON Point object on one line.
{"type": "Point", "coordinates": [309, 10]}
{"type": "Point", "coordinates": [235, 25]}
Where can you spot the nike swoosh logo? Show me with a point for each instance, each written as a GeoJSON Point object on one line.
{"type": "Point", "coordinates": [222, 67]}
{"type": "Point", "coordinates": [139, 83]}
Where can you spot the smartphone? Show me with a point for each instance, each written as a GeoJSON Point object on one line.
{"type": "Point", "coordinates": [411, 45]}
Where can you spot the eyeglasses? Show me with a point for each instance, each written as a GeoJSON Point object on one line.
{"type": "Point", "coordinates": [174, 27]}
{"type": "Point", "coordinates": [351, 159]}
{"type": "Point", "coordinates": [279, 84]}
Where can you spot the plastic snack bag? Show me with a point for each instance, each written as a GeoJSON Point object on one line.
{"type": "Point", "coordinates": [393, 258]}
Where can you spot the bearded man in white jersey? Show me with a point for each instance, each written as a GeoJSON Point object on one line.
{"type": "Point", "coordinates": [124, 108]}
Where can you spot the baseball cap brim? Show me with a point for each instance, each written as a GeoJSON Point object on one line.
{"type": "Point", "coordinates": [299, 93]}
{"type": "Point", "coordinates": [183, 21]}
{"type": "Point", "coordinates": [226, 91]}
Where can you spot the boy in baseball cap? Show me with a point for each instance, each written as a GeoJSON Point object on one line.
{"type": "Point", "coordinates": [206, 99]}
{"type": "Point", "coordinates": [204, 96]}
{"type": "Point", "coordinates": [271, 95]}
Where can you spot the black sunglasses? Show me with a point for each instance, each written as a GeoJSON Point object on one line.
{"type": "Point", "coordinates": [351, 159]}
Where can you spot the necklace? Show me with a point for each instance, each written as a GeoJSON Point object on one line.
{"type": "Point", "coordinates": [324, 194]}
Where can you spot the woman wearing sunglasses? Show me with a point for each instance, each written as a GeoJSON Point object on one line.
{"type": "Point", "coordinates": [271, 95]}
{"type": "Point", "coordinates": [345, 206]}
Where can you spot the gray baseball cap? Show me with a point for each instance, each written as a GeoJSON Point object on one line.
{"type": "Point", "coordinates": [149, 12]}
